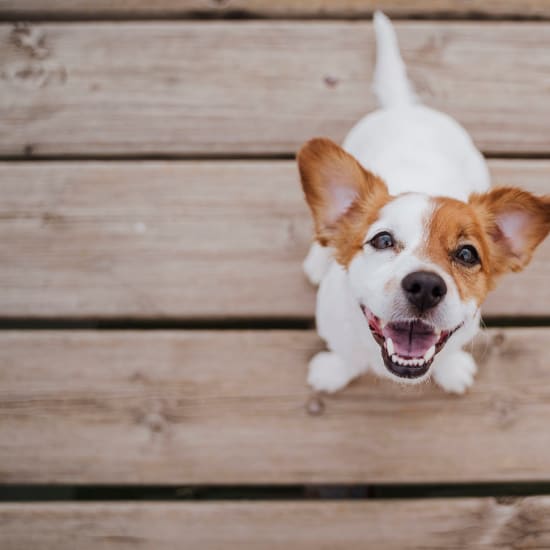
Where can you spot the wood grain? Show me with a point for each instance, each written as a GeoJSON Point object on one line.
{"type": "Point", "coordinates": [476, 524]}
{"type": "Point", "coordinates": [281, 8]}
{"type": "Point", "coordinates": [185, 240]}
{"type": "Point", "coordinates": [257, 87]}
{"type": "Point", "coordinates": [232, 407]}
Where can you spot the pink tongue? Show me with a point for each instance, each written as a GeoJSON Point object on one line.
{"type": "Point", "coordinates": [410, 339]}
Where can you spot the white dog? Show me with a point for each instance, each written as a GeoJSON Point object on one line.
{"type": "Point", "coordinates": [409, 239]}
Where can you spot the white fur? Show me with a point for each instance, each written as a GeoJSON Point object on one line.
{"type": "Point", "coordinates": [317, 263]}
{"type": "Point", "coordinates": [390, 83]}
{"type": "Point", "coordinates": [329, 372]}
{"type": "Point", "coordinates": [423, 153]}
{"type": "Point", "coordinates": [456, 372]}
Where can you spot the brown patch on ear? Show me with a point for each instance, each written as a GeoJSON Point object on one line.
{"type": "Point", "coordinates": [515, 223]}
{"type": "Point", "coordinates": [341, 194]}
{"type": "Point", "coordinates": [351, 229]}
{"type": "Point", "coordinates": [454, 224]}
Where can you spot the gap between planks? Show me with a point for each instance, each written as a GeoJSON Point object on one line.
{"type": "Point", "coordinates": [352, 9]}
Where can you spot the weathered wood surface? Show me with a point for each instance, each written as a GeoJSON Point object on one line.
{"type": "Point", "coordinates": [233, 407]}
{"type": "Point", "coordinates": [183, 240]}
{"type": "Point", "coordinates": [256, 87]}
{"type": "Point", "coordinates": [281, 8]}
{"type": "Point", "coordinates": [475, 524]}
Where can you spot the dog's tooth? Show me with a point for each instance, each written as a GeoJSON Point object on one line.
{"type": "Point", "coordinates": [389, 346]}
{"type": "Point", "coordinates": [429, 354]}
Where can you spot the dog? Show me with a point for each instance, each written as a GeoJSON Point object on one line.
{"type": "Point", "coordinates": [409, 238]}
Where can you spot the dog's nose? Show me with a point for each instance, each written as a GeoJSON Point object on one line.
{"type": "Point", "coordinates": [424, 289]}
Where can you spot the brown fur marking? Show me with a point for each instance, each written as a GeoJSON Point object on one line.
{"type": "Point", "coordinates": [491, 207]}
{"type": "Point", "coordinates": [455, 223]}
{"type": "Point", "coordinates": [325, 166]}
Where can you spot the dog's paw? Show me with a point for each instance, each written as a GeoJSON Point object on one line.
{"type": "Point", "coordinates": [455, 374]}
{"type": "Point", "coordinates": [328, 373]}
{"type": "Point", "coordinates": [316, 263]}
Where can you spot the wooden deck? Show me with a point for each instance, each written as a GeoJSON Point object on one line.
{"type": "Point", "coordinates": [155, 325]}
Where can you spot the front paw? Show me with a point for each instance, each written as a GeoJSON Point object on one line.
{"type": "Point", "coordinates": [455, 374]}
{"type": "Point", "coordinates": [327, 372]}
{"type": "Point", "coordinates": [316, 263]}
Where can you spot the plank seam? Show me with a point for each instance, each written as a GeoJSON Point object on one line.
{"type": "Point", "coordinates": [236, 15]}
{"type": "Point", "coordinates": [221, 157]}
{"type": "Point", "coordinates": [248, 324]}
{"type": "Point", "coordinates": [252, 157]}
{"type": "Point", "coordinates": [305, 323]}
{"type": "Point", "coordinates": [294, 492]}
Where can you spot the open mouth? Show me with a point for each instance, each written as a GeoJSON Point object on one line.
{"type": "Point", "coordinates": [408, 347]}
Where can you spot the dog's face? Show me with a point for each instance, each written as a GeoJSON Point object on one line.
{"type": "Point", "coordinates": [419, 266]}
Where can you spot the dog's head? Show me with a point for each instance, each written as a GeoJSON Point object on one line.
{"type": "Point", "coordinates": [419, 266]}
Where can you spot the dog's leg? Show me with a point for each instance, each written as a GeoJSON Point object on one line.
{"type": "Point", "coordinates": [317, 263]}
{"type": "Point", "coordinates": [455, 371]}
{"type": "Point", "coordinates": [328, 372]}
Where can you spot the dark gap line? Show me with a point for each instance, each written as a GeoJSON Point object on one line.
{"type": "Point", "coordinates": [149, 157]}
{"type": "Point", "coordinates": [245, 323]}
{"type": "Point", "coordinates": [243, 15]}
{"type": "Point", "coordinates": [496, 155]}
{"type": "Point", "coordinates": [62, 492]}
{"type": "Point", "coordinates": [236, 157]}
{"type": "Point", "coordinates": [516, 322]}
{"type": "Point", "coordinates": [260, 323]}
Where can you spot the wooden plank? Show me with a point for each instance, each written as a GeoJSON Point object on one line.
{"type": "Point", "coordinates": [257, 87]}
{"type": "Point", "coordinates": [281, 8]}
{"type": "Point", "coordinates": [192, 240]}
{"type": "Point", "coordinates": [393, 525]}
{"type": "Point", "coordinates": [233, 407]}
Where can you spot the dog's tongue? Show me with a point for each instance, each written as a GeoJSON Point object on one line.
{"type": "Point", "coordinates": [410, 339]}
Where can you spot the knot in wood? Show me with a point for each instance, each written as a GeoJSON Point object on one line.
{"type": "Point", "coordinates": [315, 406]}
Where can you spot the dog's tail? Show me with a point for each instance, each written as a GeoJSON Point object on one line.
{"type": "Point", "coordinates": [390, 83]}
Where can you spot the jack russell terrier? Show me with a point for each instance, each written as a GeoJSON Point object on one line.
{"type": "Point", "coordinates": [409, 238]}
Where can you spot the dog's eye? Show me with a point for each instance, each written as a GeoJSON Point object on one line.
{"type": "Point", "coordinates": [382, 240]}
{"type": "Point", "coordinates": [467, 255]}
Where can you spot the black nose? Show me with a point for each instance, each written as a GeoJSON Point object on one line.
{"type": "Point", "coordinates": [424, 289]}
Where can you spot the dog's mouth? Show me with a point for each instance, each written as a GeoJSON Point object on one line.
{"type": "Point", "coordinates": [408, 347]}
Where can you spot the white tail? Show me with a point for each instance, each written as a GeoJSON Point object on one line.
{"type": "Point", "coordinates": [390, 83]}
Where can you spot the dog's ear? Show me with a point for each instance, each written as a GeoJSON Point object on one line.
{"type": "Point", "coordinates": [333, 181]}
{"type": "Point", "coordinates": [516, 222]}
